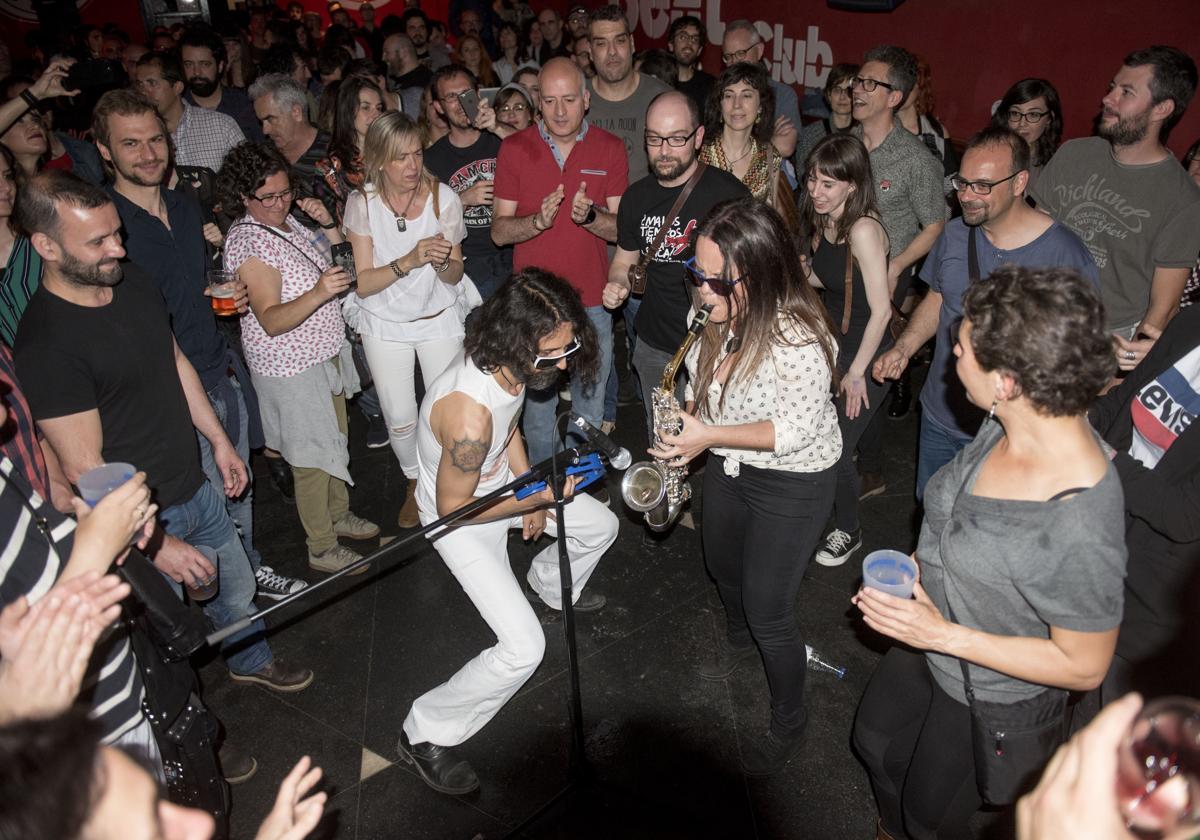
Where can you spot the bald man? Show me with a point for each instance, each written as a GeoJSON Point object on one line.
{"type": "Point", "coordinates": [673, 138]}
{"type": "Point", "coordinates": [558, 186]}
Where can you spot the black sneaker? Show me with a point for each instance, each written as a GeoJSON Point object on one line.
{"type": "Point", "coordinates": [275, 586]}
{"type": "Point", "coordinates": [770, 754]}
{"type": "Point", "coordinates": [727, 660]}
{"type": "Point", "coordinates": [439, 767]}
{"type": "Point", "coordinates": [377, 432]}
{"type": "Point", "coordinates": [839, 546]}
{"type": "Point", "coordinates": [589, 600]}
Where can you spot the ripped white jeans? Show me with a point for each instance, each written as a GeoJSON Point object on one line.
{"type": "Point", "coordinates": [392, 368]}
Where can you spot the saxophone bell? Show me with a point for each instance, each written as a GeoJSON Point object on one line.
{"type": "Point", "coordinates": [656, 489]}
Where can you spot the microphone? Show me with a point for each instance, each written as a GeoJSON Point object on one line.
{"type": "Point", "coordinates": [618, 456]}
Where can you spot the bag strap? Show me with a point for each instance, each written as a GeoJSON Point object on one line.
{"type": "Point", "coordinates": [973, 271]}
{"type": "Point", "coordinates": [848, 289]}
{"type": "Point", "coordinates": [672, 215]}
{"type": "Point", "coordinates": [284, 238]}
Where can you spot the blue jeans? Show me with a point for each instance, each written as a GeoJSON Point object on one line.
{"type": "Point", "coordinates": [629, 314]}
{"type": "Point", "coordinates": [938, 446]}
{"type": "Point", "coordinates": [240, 509]}
{"type": "Point", "coordinates": [202, 521]}
{"type": "Point", "coordinates": [586, 400]}
{"type": "Point", "coordinates": [368, 398]}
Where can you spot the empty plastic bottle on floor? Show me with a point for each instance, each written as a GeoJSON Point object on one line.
{"type": "Point", "coordinates": [817, 663]}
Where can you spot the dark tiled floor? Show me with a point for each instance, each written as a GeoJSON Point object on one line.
{"type": "Point", "coordinates": [664, 743]}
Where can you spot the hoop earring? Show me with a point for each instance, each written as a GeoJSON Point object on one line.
{"type": "Point", "coordinates": [991, 415]}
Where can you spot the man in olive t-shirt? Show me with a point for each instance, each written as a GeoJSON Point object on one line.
{"type": "Point", "coordinates": [1127, 198]}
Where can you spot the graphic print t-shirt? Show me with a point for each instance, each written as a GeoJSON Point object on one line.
{"type": "Point", "coordinates": [1132, 219]}
{"type": "Point", "coordinates": [462, 169]}
{"type": "Point", "coordinates": [1164, 409]}
{"type": "Point", "coordinates": [662, 318]}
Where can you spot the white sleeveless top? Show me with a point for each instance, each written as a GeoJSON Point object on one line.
{"type": "Point", "coordinates": [463, 376]}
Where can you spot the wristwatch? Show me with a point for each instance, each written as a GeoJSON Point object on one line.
{"type": "Point", "coordinates": [591, 216]}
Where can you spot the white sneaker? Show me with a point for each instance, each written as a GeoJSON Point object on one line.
{"type": "Point", "coordinates": [275, 586]}
{"type": "Point", "coordinates": [838, 547]}
{"type": "Point", "coordinates": [355, 527]}
{"type": "Point", "coordinates": [336, 559]}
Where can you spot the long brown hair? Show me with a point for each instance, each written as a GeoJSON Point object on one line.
{"type": "Point", "coordinates": [778, 302]}
{"type": "Point", "coordinates": [842, 157]}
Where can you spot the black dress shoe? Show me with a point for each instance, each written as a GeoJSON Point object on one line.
{"type": "Point", "coordinates": [727, 660]}
{"type": "Point", "coordinates": [770, 754]}
{"type": "Point", "coordinates": [441, 769]}
{"type": "Point", "coordinates": [589, 600]}
{"type": "Point", "coordinates": [282, 479]}
{"type": "Point", "coordinates": [901, 397]}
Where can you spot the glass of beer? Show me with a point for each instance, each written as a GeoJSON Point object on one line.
{"type": "Point", "coordinates": [220, 290]}
{"type": "Point", "coordinates": [1158, 770]}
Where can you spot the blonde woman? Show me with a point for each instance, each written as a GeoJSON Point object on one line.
{"type": "Point", "coordinates": [406, 230]}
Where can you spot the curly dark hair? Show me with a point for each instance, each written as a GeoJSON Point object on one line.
{"type": "Point", "coordinates": [1044, 327]}
{"type": "Point", "coordinates": [754, 75]}
{"type": "Point", "coordinates": [530, 305]}
{"type": "Point", "coordinates": [247, 166]}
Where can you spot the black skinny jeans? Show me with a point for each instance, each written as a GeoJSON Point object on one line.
{"type": "Point", "coordinates": [845, 501]}
{"type": "Point", "coordinates": [915, 740]}
{"type": "Point", "coordinates": [760, 530]}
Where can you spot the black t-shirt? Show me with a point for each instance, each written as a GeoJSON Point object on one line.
{"type": "Point", "coordinates": [698, 87]}
{"type": "Point", "coordinates": [420, 76]}
{"type": "Point", "coordinates": [662, 318]}
{"type": "Point", "coordinates": [461, 169]}
{"type": "Point", "coordinates": [308, 180]}
{"type": "Point", "coordinates": [118, 359]}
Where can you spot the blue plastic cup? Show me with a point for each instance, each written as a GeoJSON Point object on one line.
{"type": "Point", "coordinates": [890, 571]}
{"type": "Point", "coordinates": [99, 481]}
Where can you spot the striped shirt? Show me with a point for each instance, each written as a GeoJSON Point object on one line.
{"type": "Point", "coordinates": [38, 544]}
{"type": "Point", "coordinates": [21, 278]}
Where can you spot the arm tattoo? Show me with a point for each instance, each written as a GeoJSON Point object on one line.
{"type": "Point", "coordinates": [468, 454]}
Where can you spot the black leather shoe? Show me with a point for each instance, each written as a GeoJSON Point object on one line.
{"type": "Point", "coordinates": [281, 478]}
{"type": "Point", "coordinates": [727, 660]}
{"type": "Point", "coordinates": [441, 769]}
{"type": "Point", "coordinates": [589, 600]}
{"type": "Point", "coordinates": [901, 397]}
{"type": "Point", "coordinates": [770, 754]}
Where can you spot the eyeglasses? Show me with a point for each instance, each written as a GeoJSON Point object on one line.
{"type": "Point", "coordinates": [675, 142]}
{"type": "Point", "coordinates": [518, 108]}
{"type": "Point", "coordinates": [739, 55]}
{"type": "Point", "coordinates": [979, 187]}
{"type": "Point", "coordinates": [688, 36]}
{"type": "Point", "coordinates": [841, 90]}
{"type": "Point", "coordinates": [545, 362]}
{"type": "Point", "coordinates": [1031, 117]}
{"type": "Point", "coordinates": [452, 98]}
{"type": "Point", "coordinates": [869, 85]}
{"type": "Point", "coordinates": [720, 285]}
{"type": "Point", "coordinates": [273, 199]}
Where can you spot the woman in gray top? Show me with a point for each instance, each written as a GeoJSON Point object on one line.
{"type": "Point", "coordinates": [1021, 554]}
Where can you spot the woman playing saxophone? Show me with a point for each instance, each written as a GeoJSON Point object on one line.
{"type": "Point", "coordinates": [760, 398]}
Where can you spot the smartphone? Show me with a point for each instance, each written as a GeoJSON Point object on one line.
{"type": "Point", "coordinates": [469, 100]}
{"type": "Point", "coordinates": [343, 255]}
{"type": "Point", "coordinates": [94, 73]}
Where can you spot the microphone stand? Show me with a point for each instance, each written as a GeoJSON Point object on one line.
{"type": "Point", "coordinates": [536, 473]}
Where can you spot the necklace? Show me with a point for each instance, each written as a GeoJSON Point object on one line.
{"type": "Point", "coordinates": [401, 223]}
{"type": "Point", "coordinates": [732, 161]}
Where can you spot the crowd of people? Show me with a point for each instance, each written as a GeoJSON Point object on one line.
{"type": "Point", "coordinates": [448, 226]}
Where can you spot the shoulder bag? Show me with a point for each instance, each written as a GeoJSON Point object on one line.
{"type": "Point", "coordinates": [637, 271]}
{"type": "Point", "coordinates": [1011, 741]}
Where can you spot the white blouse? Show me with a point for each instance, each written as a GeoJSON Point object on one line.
{"type": "Point", "coordinates": [402, 311]}
{"type": "Point", "coordinates": [791, 388]}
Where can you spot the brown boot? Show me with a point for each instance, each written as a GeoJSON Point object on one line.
{"type": "Point", "coordinates": [881, 833]}
{"type": "Point", "coordinates": [408, 511]}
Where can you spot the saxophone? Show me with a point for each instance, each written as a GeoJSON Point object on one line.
{"type": "Point", "coordinates": [655, 488]}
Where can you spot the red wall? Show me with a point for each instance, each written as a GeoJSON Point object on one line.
{"type": "Point", "coordinates": [976, 48]}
